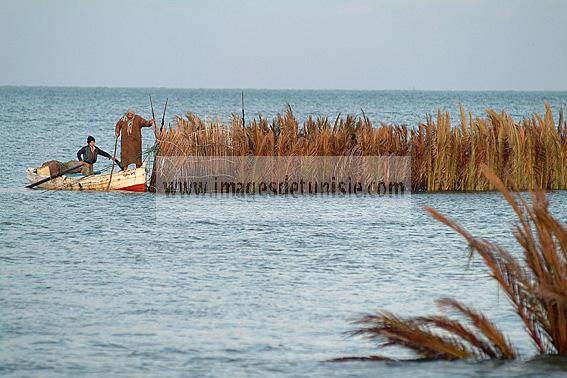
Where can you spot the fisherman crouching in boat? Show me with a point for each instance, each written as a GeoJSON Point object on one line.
{"type": "Point", "coordinates": [88, 154]}
{"type": "Point", "coordinates": [129, 128]}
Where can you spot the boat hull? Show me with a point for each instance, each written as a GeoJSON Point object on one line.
{"type": "Point", "coordinates": [132, 180]}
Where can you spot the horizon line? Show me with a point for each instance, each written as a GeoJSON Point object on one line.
{"type": "Point", "coordinates": [278, 89]}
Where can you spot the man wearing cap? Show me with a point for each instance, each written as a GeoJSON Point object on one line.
{"type": "Point", "coordinates": [129, 127]}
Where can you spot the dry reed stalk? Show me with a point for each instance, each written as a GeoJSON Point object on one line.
{"type": "Point", "coordinates": [535, 284]}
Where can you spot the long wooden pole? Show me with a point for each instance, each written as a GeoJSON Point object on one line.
{"type": "Point", "coordinates": [152, 176]}
{"type": "Point", "coordinates": [163, 116]}
{"type": "Point", "coordinates": [243, 120]}
{"type": "Point", "coordinates": [113, 161]}
{"type": "Point", "coordinates": [153, 115]}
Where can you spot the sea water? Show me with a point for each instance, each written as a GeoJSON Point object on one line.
{"type": "Point", "coordinates": [109, 284]}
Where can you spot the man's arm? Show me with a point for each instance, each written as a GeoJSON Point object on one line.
{"type": "Point", "coordinates": [80, 154]}
{"type": "Point", "coordinates": [103, 153]}
{"type": "Point", "coordinates": [145, 123]}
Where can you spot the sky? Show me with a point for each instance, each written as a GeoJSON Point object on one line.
{"type": "Point", "coordinates": [286, 44]}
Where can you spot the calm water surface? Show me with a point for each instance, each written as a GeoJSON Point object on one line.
{"type": "Point", "coordinates": [137, 284]}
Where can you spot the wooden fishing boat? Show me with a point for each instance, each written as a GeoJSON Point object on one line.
{"type": "Point", "coordinates": [133, 180]}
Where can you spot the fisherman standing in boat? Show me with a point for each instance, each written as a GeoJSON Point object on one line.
{"type": "Point", "coordinates": [129, 127]}
{"type": "Point", "coordinates": [88, 154]}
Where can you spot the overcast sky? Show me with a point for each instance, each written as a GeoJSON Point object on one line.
{"type": "Point", "coordinates": [318, 44]}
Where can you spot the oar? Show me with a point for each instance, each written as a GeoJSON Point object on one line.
{"type": "Point", "coordinates": [113, 161]}
{"type": "Point", "coordinates": [53, 177]}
